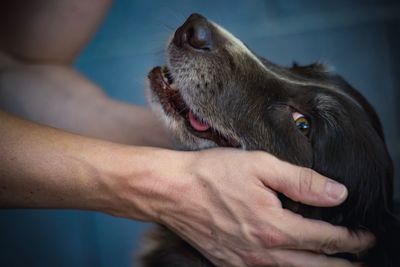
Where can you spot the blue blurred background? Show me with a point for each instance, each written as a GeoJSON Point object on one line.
{"type": "Point", "coordinates": [360, 39]}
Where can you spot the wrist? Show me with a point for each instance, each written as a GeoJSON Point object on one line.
{"type": "Point", "coordinates": [142, 183]}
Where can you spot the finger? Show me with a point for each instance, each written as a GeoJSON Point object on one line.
{"type": "Point", "coordinates": [319, 236]}
{"type": "Point", "coordinates": [308, 259]}
{"type": "Point", "coordinates": [299, 183]}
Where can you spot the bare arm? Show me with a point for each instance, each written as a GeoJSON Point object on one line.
{"type": "Point", "coordinates": [241, 223]}
{"type": "Point", "coordinates": [59, 96]}
{"type": "Point", "coordinates": [40, 39]}
{"type": "Point", "coordinates": [42, 167]}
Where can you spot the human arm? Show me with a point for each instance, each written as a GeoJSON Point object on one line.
{"type": "Point", "coordinates": [225, 210]}
{"type": "Point", "coordinates": [59, 96]}
{"type": "Point", "coordinates": [40, 42]}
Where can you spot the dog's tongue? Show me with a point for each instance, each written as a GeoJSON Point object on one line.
{"type": "Point", "coordinates": [197, 124]}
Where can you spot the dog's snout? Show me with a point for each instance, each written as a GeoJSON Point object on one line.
{"type": "Point", "coordinates": [196, 33]}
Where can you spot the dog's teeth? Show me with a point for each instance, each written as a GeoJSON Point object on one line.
{"type": "Point", "coordinates": [169, 78]}
{"type": "Point", "coordinates": [165, 79]}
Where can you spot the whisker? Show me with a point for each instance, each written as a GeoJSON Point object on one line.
{"type": "Point", "coordinates": [169, 27]}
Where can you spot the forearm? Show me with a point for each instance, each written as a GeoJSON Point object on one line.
{"type": "Point", "coordinates": [43, 167]}
{"type": "Point", "coordinates": [210, 205]}
{"type": "Point", "coordinates": [60, 97]}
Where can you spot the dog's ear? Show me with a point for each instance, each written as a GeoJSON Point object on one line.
{"type": "Point", "coordinates": [349, 148]}
{"type": "Point", "coordinates": [354, 154]}
{"type": "Point", "coordinates": [316, 70]}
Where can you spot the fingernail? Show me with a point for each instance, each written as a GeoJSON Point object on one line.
{"type": "Point", "coordinates": [335, 190]}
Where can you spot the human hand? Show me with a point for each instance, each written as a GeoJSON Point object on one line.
{"type": "Point", "coordinates": [222, 202]}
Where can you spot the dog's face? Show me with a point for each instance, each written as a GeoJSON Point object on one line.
{"type": "Point", "coordinates": [215, 92]}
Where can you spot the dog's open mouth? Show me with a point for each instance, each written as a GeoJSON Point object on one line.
{"type": "Point", "coordinates": [162, 84]}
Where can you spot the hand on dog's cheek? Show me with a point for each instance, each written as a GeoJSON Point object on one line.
{"type": "Point", "coordinates": [219, 201]}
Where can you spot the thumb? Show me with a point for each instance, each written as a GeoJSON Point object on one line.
{"type": "Point", "coordinates": [301, 184]}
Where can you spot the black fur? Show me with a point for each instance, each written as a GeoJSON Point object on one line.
{"type": "Point", "coordinates": [346, 141]}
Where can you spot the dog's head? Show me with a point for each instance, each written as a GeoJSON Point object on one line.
{"type": "Point", "coordinates": [215, 92]}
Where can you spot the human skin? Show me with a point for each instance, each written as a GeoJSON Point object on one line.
{"type": "Point", "coordinates": [229, 210]}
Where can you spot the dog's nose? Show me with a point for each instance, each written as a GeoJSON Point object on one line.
{"type": "Point", "coordinates": [196, 32]}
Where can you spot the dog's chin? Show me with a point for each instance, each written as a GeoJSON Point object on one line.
{"type": "Point", "coordinates": [190, 131]}
{"type": "Point", "coordinates": [166, 101]}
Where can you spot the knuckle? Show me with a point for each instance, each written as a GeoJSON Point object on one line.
{"type": "Point", "coordinates": [258, 156]}
{"type": "Point", "coordinates": [305, 179]}
{"type": "Point", "coordinates": [253, 259]}
{"type": "Point", "coordinates": [262, 156]}
{"type": "Point", "coordinates": [257, 153]}
{"type": "Point", "coordinates": [330, 246]}
{"type": "Point", "coordinates": [273, 239]}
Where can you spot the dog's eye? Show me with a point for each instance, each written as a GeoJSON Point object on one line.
{"type": "Point", "coordinates": [301, 123]}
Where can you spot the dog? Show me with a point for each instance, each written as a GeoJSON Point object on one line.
{"type": "Point", "coordinates": [214, 91]}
